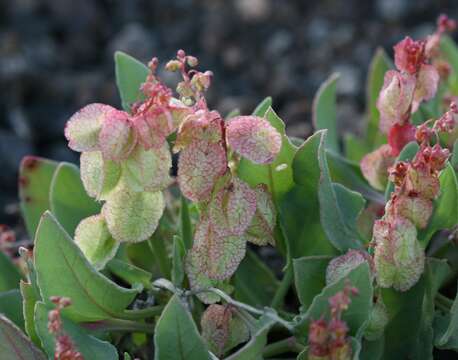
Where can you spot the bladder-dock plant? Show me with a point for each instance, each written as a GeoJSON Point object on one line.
{"type": "Point", "coordinates": [152, 247]}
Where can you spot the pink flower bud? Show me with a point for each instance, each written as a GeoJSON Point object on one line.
{"type": "Point", "coordinates": [409, 55]}
{"type": "Point", "coordinates": [395, 99]}
{"type": "Point", "coordinates": [374, 166]}
{"type": "Point", "coordinates": [399, 258]}
{"type": "Point", "coordinates": [117, 137]}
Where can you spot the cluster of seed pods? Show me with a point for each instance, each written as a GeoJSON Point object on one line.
{"type": "Point", "coordinates": [398, 256]}
{"type": "Point", "coordinates": [126, 162]}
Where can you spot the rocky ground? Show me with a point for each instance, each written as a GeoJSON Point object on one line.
{"type": "Point", "coordinates": [56, 56]}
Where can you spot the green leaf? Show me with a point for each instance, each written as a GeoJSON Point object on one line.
{"type": "Point", "coordinates": [14, 345]}
{"type": "Point", "coordinates": [62, 270]}
{"type": "Point", "coordinates": [380, 64]}
{"type": "Point", "coordinates": [177, 261]}
{"type": "Point", "coordinates": [262, 107]}
{"type": "Point", "coordinates": [130, 74]}
{"type": "Point", "coordinates": [35, 175]}
{"type": "Point", "coordinates": [253, 349]}
{"type": "Point", "coordinates": [445, 214]}
{"type": "Point", "coordinates": [405, 314]}
{"type": "Point", "coordinates": [450, 51]}
{"type": "Point", "coordinates": [9, 273]}
{"type": "Point", "coordinates": [11, 306]}
{"type": "Point", "coordinates": [131, 274]}
{"type": "Point", "coordinates": [310, 278]}
{"type": "Point", "coordinates": [29, 298]}
{"type": "Point", "coordinates": [338, 224]}
{"type": "Point", "coordinates": [89, 346]}
{"type": "Point", "coordinates": [69, 202]}
{"type": "Point", "coordinates": [358, 311]}
{"type": "Point", "coordinates": [176, 336]}
{"type": "Point", "coordinates": [300, 219]}
{"type": "Point", "coordinates": [407, 154]}
{"type": "Point", "coordinates": [325, 113]}
{"type": "Point", "coordinates": [255, 284]}
{"type": "Point", "coordinates": [355, 148]}
{"type": "Point", "coordinates": [454, 159]}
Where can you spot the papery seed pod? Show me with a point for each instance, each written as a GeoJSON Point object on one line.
{"type": "Point", "coordinates": [95, 241]}
{"type": "Point", "coordinates": [395, 99]}
{"type": "Point", "coordinates": [399, 136]}
{"type": "Point", "coordinates": [200, 126]}
{"type": "Point", "coordinates": [416, 209]}
{"type": "Point", "coordinates": [374, 166]}
{"type": "Point", "coordinates": [261, 229]}
{"type": "Point", "coordinates": [339, 267]}
{"type": "Point", "coordinates": [426, 87]}
{"type": "Point", "coordinates": [253, 138]}
{"type": "Point", "coordinates": [420, 182]}
{"type": "Point", "coordinates": [83, 129]}
{"type": "Point", "coordinates": [199, 166]}
{"type": "Point", "coordinates": [399, 258]}
{"type": "Point", "coordinates": [378, 319]}
{"type": "Point", "coordinates": [222, 329]}
{"type": "Point", "coordinates": [232, 209]}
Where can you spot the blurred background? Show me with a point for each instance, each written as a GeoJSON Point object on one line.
{"type": "Point", "coordinates": [57, 56]}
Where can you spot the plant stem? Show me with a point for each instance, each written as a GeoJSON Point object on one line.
{"type": "Point", "coordinates": [159, 251]}
{"type": "Point", "coordinates": [142, 313]}
{"type": "Point", "coordinates": [185, 224]}
{"type": "Point", "coordinates": [444, 301]}
{"type": "Point", "coordinates": [282, 290]}
{"type": "Point", "coordinates": [286, 345]}
{"type": "Point", "coordinates": [120, 325]}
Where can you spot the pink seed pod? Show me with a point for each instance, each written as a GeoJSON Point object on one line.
{"type": "Point", "coordinates": [117, 137]}
{"type": "Point", "coordinates": [341, 266]}
{"type": "Point", "coordinates": [399, 258]}
{"type": "Point", "coordinates": [253, 138]}
{"type": "Point", "coordinates": [199, 166]}
{"type": "Point", "coordinates": [83, 128]}
{"type": "Point", "coordinates": [395, 99]}
{"type": "Point", "coordinates": [426, 87]}
{"type": "Point", "coordinates": [374, 166]}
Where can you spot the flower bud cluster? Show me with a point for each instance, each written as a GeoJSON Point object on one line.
{"type": "Point", "coordinates": [64, 348]}
{"type": "Point", "coordinates": [328, 339]}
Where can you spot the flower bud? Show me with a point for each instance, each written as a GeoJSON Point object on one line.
{"type": "Point", "coordinates": [374, 166]}
{"type": "Point", "coordinates": [173, 65]}
{"type": "Point", "coordinates": [399, 258]}
{"type": "Point", "coordinates": [395, 99]}
{"type": "Point", "coordinates": [339, 267]}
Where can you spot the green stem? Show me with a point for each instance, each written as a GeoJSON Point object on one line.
{"type": "Point", "coordinates": [282, 290]}
{"type": "Point", "coordinates": [185, 222]}
{"type": "Point", "coordinates": [159, 251]}
{"type": "Point", "coordinates": [444, 301]}
{"type": "Point", "coordinates": [142, 313]}
{"type": "Point", "coordinates": [120, 325]}
{"type": "Point", "coordinates": [283, 346]}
